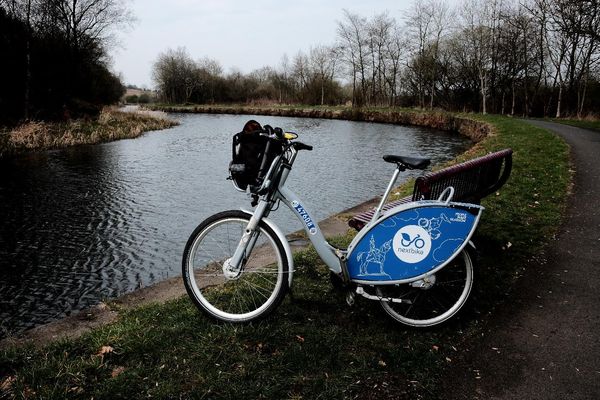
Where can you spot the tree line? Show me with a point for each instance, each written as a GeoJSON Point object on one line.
{"type": "Point", "coordinates": [54, 57]}
{"type": "Point", "coordinates": [310, 80]}
{"type": "Point", "coordinates": [528, 57]}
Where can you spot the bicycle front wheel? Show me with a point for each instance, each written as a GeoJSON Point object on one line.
{"type": "Point", "coordinates": [255, 291]}
{"type": "Point", "coordinates": [433, 300]}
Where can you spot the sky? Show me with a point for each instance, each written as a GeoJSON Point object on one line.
{"type": "Point", "coordinates": [242, 34]}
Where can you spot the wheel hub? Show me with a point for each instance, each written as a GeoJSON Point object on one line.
{"type": "Point", "coordinates": [229, 271]}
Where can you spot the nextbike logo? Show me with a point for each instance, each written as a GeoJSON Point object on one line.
{"type": "Point", "coordinates": [412, 244]}
{"type": "Point", "coordinates": [307, 219]}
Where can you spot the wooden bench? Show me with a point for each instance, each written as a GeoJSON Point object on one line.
{"type": "Point", "coordinates": [472, 181]}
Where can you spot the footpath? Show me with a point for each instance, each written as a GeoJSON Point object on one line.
{"type": "Point", "coordinates": [545, 341]}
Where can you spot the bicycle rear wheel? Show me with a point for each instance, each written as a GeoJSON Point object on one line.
{"type": "Point", "coordinates": [261, 284]}
{"type": "Point", "coordinates": [433, 301]}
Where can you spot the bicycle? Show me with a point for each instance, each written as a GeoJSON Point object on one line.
{"type": "Point", "coordinates": [238, 266]}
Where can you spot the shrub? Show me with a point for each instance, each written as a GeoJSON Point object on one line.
{"type": "Point", "coordinates": [144, 99]}
{"type": "Point", "coordinates": [132, 99]}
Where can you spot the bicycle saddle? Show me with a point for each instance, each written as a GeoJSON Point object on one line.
{"type": "Point", "coordinates": [408, 162]}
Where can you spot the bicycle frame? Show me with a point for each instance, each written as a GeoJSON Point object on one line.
{"type": "Point", "coordinates": [333, 257]}
{"type": "Point", "coordinates": [395, 259]}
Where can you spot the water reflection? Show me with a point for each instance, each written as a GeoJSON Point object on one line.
{"type": "Point", "coordinates": [93, 222]}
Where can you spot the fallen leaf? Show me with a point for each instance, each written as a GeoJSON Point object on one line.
{"type": "Point", "coordinates": [299, 338]}
{"type": "Point", "coordinates": [105, 350]}
{"type": "Point", "coordinates": [28, 392]}
{"type": "Point", "coordinates": [117, 371]}
{"type": "Point", "coordinates": [382, 363]}
{"type": "Point", "coordinates": [7, 383]}
{"type": "Point", "coordinates": [436, 348]}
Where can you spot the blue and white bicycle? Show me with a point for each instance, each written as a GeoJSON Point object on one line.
{"type": "Point", "coordinates": [413, 259]}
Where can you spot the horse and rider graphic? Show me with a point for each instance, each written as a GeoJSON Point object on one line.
{"type": "Point", "coordinates": [375, 255]}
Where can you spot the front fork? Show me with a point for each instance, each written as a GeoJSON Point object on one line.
{"type": "Point", "coordinates": [233, 267]}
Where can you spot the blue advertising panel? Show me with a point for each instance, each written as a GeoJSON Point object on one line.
{"type": "Point", "coordinates": [410, 243]}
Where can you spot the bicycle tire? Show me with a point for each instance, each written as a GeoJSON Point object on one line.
{"type": "Point", "coordinates": [427, 308]}
{"type": "Point", "coordinates": [234, 299]}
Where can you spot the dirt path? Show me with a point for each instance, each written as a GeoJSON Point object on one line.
{"type": "Point", "coordinates": [545, 342]}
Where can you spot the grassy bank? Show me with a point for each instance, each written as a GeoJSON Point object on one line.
{"type": "Point", "coordinates": [110, 125]}
{"type": "Point", "coordinates": [593, 124]}
{"type": "Point", "coordinates": [314, 346]}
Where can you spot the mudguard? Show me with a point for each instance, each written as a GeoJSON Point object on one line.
{"type": "Point", "coordinates": [411, 242]}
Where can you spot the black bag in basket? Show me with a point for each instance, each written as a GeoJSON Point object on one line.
{"type": "Point", "coordinates": [249, 149]}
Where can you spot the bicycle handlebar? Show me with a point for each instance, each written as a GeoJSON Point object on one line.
{"type": "Point", "coordinates": [277, 132]}
{"type": "Point", "coordinates": [270, 131]}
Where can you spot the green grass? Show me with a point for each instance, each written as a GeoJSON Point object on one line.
{"type": "Point", "coordinates": [584, 123]}
{"type": "Point", "coordinates": [314, 346]}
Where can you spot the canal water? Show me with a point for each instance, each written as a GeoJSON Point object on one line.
{"type": "Point", "coordinates": [89, 223]}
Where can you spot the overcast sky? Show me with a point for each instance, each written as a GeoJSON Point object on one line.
{"type": "Point", "coordinates": [243, 34]}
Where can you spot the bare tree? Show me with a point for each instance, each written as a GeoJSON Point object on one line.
{"type": "Point", "coordinates": [396, 49]}
{"type": "Point", "coordinates": [175, 74]}
{"type": "Point", "coordinates": [284, 68]}
{"type": "Point", "coordinates": [300, 70]}
{"type": "Point", "coordinates": [85, 21]}
{"type": "Point", "coordinates": [479, 19]}
{"type": "Point", "coordinates": [352, 38]}
{"type": "Point", "coordinates": [322, 64]}
{"type": "Point", "coordinates": [426, 23]}
{"type": "Point", "coordinates": [379, 31]}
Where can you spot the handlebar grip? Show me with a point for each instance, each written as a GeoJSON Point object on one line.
{"type": "Point", "coordinates": [268, 129]}
{"type": "Point", "coordinates": [302, 146]}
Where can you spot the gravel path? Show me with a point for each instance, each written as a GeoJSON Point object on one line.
{"type": "Point", "coordinates": [545, 343]}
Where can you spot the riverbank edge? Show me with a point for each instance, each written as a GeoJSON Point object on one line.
{"type": "Point", "coordinates": [474, 129]}
{"type": "Point", "coordinates": [172, 288]}
{"type": "Point", "coordinates": [112, 124]}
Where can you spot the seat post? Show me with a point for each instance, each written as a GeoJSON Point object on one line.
{"type": "Point", "coordinates": [390, 186]}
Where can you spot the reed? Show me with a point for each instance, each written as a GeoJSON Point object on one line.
{"type": "Point", "coordinates": [110, 125]}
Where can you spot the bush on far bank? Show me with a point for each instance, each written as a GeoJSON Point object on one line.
{"type": "Point", "coordinates": [132, 99]}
